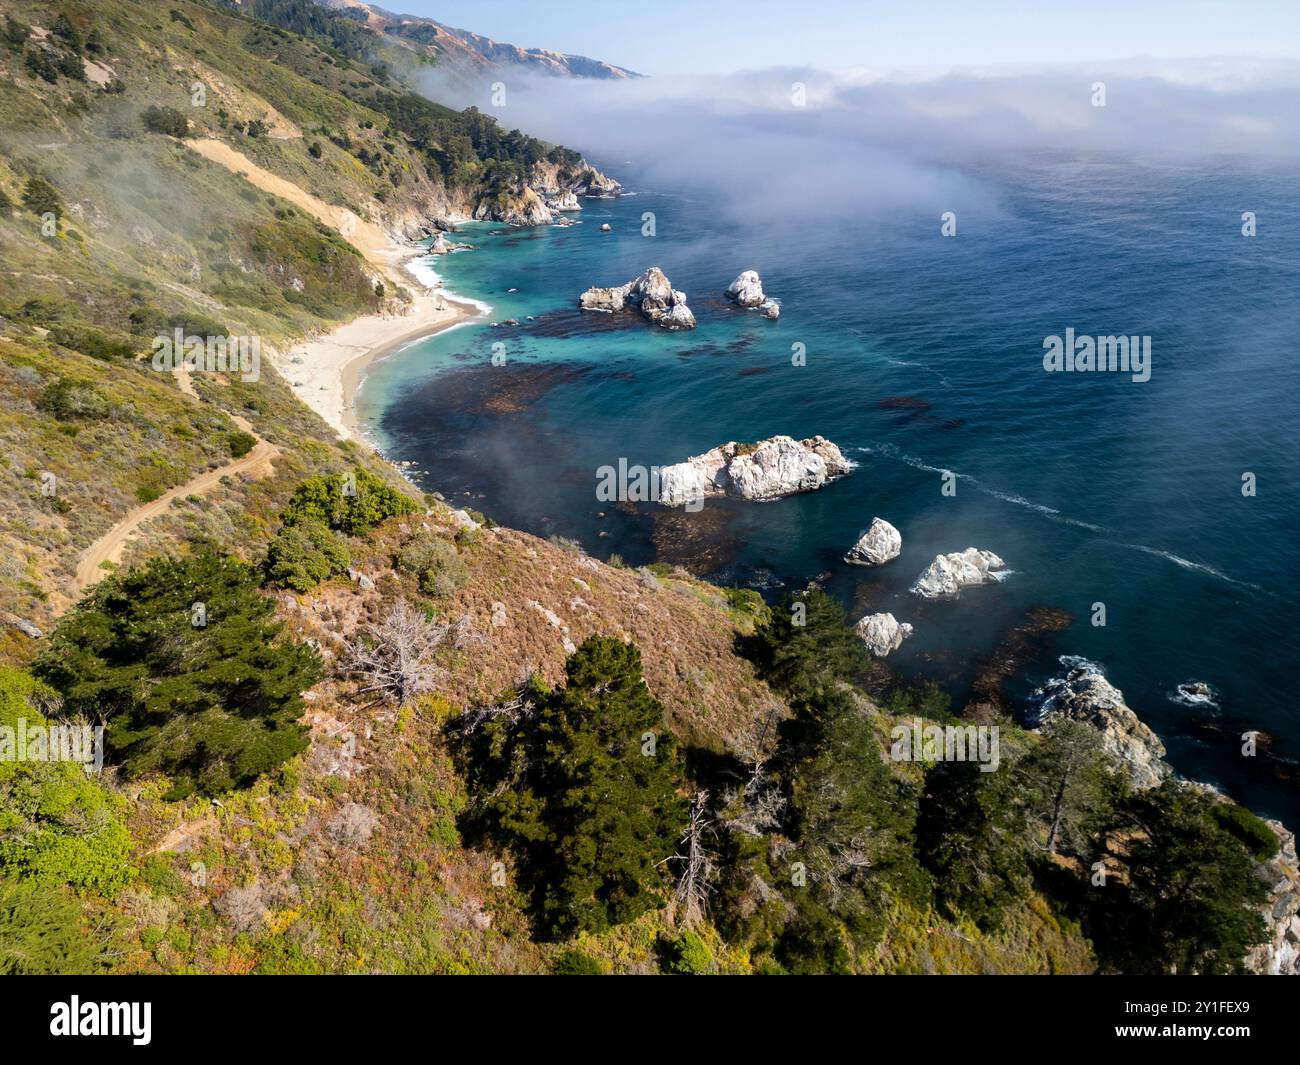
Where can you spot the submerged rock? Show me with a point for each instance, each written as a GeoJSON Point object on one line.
{"type": "Point", "coordinates": [776, 467]}
{"type": "Point", "coordinates": [882, 633]}
{"type": "Point", "coordinates": [878, 544]}
{"type": "Point", "coordinates": [947, 575]}
{"type": "Point", "coordinates": [651, 294]}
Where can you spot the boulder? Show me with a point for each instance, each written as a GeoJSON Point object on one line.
{"type": "Point", "coordinates": [947, 575]}
{"type": "Point", "coordinates": [770, 309]}
{"type": "Point", "coordinates": [882, 633]}
{"type": "Point", "coordinates": [746, 290]}
{"type": "Point", "coordinates": [878, 544]}
{"type": "Point", "coordinates": [772, 469]}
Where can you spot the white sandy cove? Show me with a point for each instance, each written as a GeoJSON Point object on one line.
{"type": "Point", "coordinates": [332, 366]}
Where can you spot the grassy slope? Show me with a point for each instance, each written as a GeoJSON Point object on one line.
{"type": "Point", "coordinates": [272, 880]}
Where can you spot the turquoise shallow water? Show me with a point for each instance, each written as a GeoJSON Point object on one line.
{"type": "Point", "coordinates": [925, 354]}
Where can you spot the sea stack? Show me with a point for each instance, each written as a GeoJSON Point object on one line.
{"type": "Point", "coordinates": [651, 294]}
{"type": "Point", "coordinates": [882, 633]}
{"type": "Point", "coordinates": [947, 575]}
{"type": "Point", "coordinates": [880, 543]}
{"type": "Point", "coordinates": [771, 469]}
{"type": "Point", "coordinates": [747, 291]}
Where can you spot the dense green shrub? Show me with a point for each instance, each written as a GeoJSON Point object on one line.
{"type": "Point", "coordinates": [1247, 827]}
{"type": "Point", "coordinates": [576, 963]}
{"type": "Point", "coordinates": [240, 443]}
{"type": "Point", "coordinates": [40, 197]}
{"type": "Point", "coordinates": [352, 503]}
{"type": "Point", "coordinates": [57, 824]}
{"type": "Point", "coordinates": [67, 399]}
{"type": "Point", "coordinates": [435, 561]}
{"type": "Point", "coordinates": [186, 665]}
{"type": "Point", "coordinates": [43, 932]}
{"type": "Point", "coordinates": [166, 120]}
{"type": "Point", "coordinates": [94, 342]}
{"type": "Point", "coordinates": [690, 955]}
{"type": "Point", "coordinates": [301, 556]}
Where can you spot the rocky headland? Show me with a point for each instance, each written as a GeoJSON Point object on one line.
{"type": "Point", "coordinates": [1082, 693]}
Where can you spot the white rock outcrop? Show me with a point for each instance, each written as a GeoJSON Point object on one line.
{"type": "Point", "coordinates": [651, 294]}
{"type": "Point", "coordinates": [1083, 694]}
{"type": "Point", "coordinates": [442, 246]}
{"type": "Point", "coordinates": [882, 633]}
{"type": "Point", "coordinates": [947, 575]}
{"type": "Point", "coordinates": [772, 469]}
{"type": "Point", "coordinates": [878, 544]}
{"type": "Point", "coordinates": [746, 290]}
{"type": "Point", "coordinates": [565, 201]}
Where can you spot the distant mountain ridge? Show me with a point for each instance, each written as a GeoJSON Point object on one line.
{"type": "Point", "coordinates": [473, 52]}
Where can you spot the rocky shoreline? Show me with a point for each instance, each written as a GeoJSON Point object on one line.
{"type": "Point", "coordinates": [1083, 694]}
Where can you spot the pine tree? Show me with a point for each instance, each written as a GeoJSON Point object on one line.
{"type": "Point", "coordinates": [186, 666]}
{"type": "Point", "coordinates": [585, 790]}
{"type": "Point", "coordinates": [1187, 902]}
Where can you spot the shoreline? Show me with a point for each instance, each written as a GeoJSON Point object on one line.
{"type": "Point", "coordinates": [326, 372]}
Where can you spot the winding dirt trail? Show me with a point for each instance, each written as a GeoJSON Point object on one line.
{"type": "Point", "coordinates": [109, 547]}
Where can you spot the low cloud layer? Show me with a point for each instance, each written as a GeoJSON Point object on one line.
{"type": "Point", "coordinates": [880, 142]}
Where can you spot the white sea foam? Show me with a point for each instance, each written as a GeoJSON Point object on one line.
{"type": "Point", "coordinates": [1186, 695]}
{"type": "Point", "coordinates": [423, 271]}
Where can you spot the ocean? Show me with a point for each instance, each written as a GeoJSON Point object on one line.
{"type": "Point", "coordinates": [924, 354]}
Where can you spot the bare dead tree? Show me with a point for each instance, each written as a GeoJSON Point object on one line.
{"type": "Point", "coordinates": [514, 709]}
{"type": "Point", "coordinates": [693, 887]}
{"type": "Point", "coordinates": [396, 661]}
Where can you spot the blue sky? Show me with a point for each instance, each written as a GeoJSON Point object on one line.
{"type": "Point", "coordinates": [702, 36]}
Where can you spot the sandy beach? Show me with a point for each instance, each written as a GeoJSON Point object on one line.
{"type": "Point", "coordinates": [326, 372]}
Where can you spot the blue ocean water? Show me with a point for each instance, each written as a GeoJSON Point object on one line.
{"type": "Point", "coordinates": [924, 354]}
